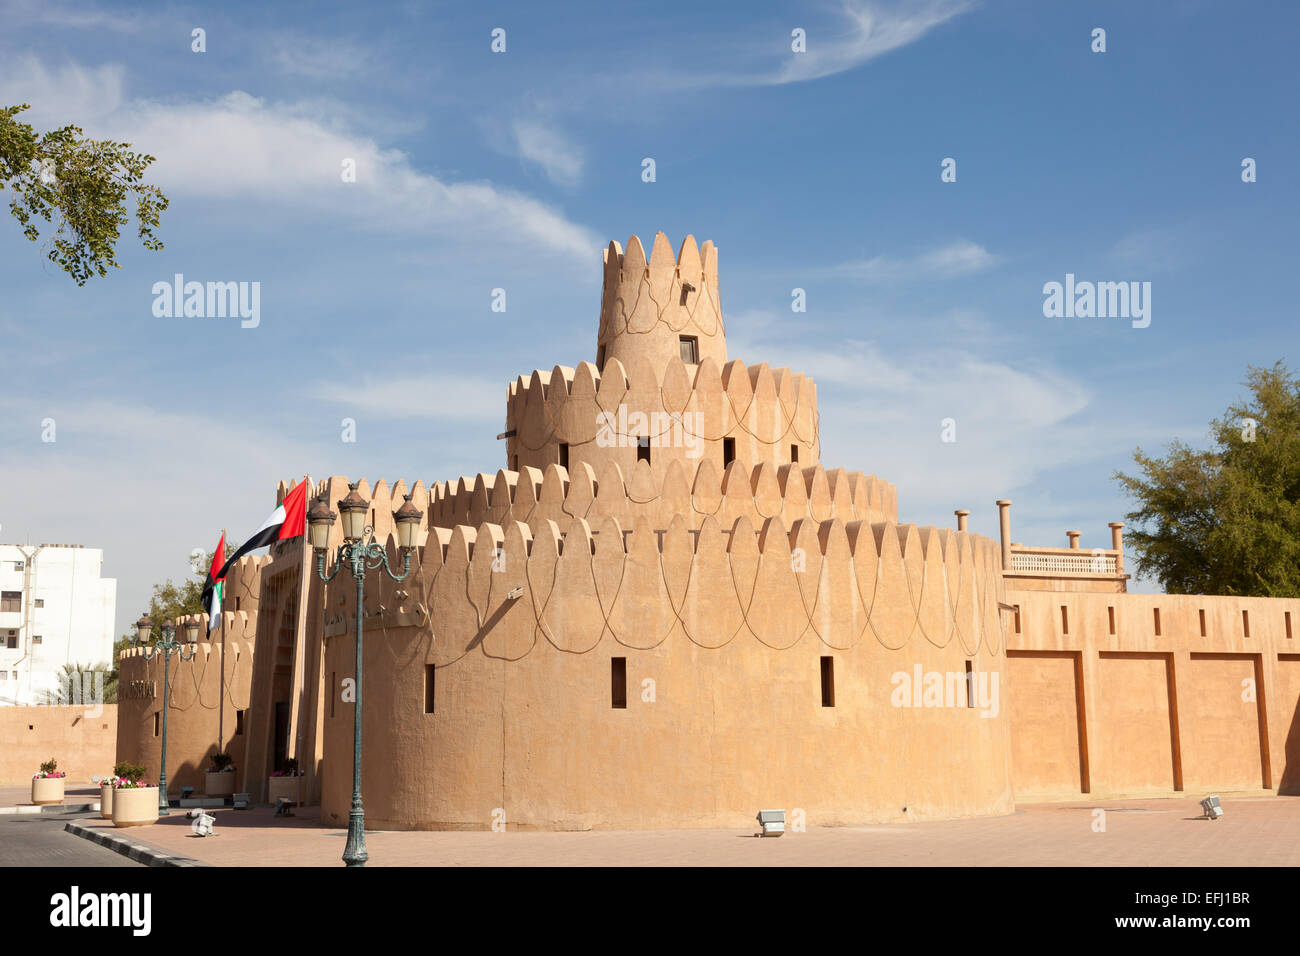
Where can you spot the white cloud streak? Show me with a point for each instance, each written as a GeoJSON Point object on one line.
{"type": "Point", "coordinates": [956, 259]}
{"type": "Point", "coordinates": [561, 160]}
{"type": "Point", "coordinates": [240, 147]}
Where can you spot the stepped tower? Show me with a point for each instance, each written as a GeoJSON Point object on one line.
{"type": "Point", "coordinates": [662, 388]}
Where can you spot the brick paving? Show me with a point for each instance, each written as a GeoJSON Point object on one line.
{"type": "Point", "coordinates": [1254, 831]}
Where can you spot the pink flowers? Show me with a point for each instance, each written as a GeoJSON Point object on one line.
{"type": "Point", "coordinates": [48, 774]}
{"type": "Point", "coordinates": [124, 783]}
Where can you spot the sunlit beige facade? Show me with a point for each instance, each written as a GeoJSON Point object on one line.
{"type": "Point", "coordinates": [666, 611]}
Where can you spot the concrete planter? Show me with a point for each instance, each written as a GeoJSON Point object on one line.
{"type": "Point", "coordinates": [47, 790]}
{"type": "Point", "coordinates": [106, 802]}
{"type": "Point", "coordinates": [288, 787]}
{"type": "Point", "coordinates": [219, 784]}
{"type": "Point", "coordinates": [135, 806]}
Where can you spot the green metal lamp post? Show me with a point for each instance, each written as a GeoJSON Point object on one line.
{"type": "Point", "coordinates": [168, 645]}
{"type": "Point", "coordinates": [360, 551]}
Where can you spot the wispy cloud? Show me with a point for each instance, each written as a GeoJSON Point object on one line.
{"type": "Point", "coordinates": [239, 146]}
{"type": "Point", "coordinates": [866, 30]}
{"type": "Point", "coordinates": [427, 396]}
{"type": "Point", "coordinates": [1151, 249]}
{"type": "Point", "coordinates": [319, 58]}
{"type": "Point", "coordinates": [950, 261]}
{"type": "Point", "coordinates": [65, 16]}
{"type": "Point", "coordinates": [561, 160]}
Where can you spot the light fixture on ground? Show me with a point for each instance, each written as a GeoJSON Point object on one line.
{"type": "Point", "coordinates": [772, 822]}
{"type": "Point", "coordinates": [167, 645]}
{"type": "Point", "coordinates": [360, 552]}
{"type": "Point", "coordinates": [1211, 807]}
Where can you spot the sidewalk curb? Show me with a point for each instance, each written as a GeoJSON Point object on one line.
{"type": "Point", "coordinates": [53, 808]}
{"type": "Point", "coordinates": [140, 852]}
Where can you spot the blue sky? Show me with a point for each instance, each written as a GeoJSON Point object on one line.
{"type": "Point", "coordinates": [479, 170]}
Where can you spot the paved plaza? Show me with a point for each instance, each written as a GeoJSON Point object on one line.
{"type": "Point", "coordinates": [1254, 831]}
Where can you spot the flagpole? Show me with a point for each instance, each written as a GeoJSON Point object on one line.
{"type": "Point", "coordinates": [221, 698]}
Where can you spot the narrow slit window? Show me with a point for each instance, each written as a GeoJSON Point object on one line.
{"type": "Point", "coordinates": [1202, 616]}
{"type": "Point", "coordinates": [643, 449]}
{"type": "Point", "coordinates": [728, 451]}
{"type": "Point", "coordinates": [239, 723]}
{"type": "Point", "coordinates": [970, 684]}
{"type": "Point", "coordinates": [794, 454]}
{"type": "Point", "coordinates": [334, 690]}
{"type": "Point", "coordinates": [1065, 620]}
{"type": "Point", "coordinates": [564, 456]}
{"type": "Point", "coordinates": [155, 723]}
{"type": "Point", "coordinates": [690, 349]}
{"type": "Point", "coordinates": [1017, 607]}
{"type": "Point", "coordinates": [828, 682]}
{"type": "Point", "coordinates": [618, 682]}
{"type": "Point", "coordinates": [1287, 617]}
{"type": "Point", "coordinates": [1245, 623]}
{"type": "Point", "coordinates": [600, 359]}
{"type": "Point", "coordinates": [1157, 621]}
{"type": "Point", "coordinates": [1110, 611]}
{"type": "Point", "coordinates": [429, 681]}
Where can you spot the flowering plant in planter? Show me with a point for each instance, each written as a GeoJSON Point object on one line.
{"type": "Point", "coordinates": [126, 783]}
{"type": "Point", "coordinates": [48, 770]}
{"type": "Point", "coordinates": [222, 763]}
{"type": "Point", "coordinates": [127, 775]}
{"type": "Point", "coordinates": [289, 769]}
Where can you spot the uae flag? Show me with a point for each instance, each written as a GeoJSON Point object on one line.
{"type": "Point", "coordinates": [287, 521]}
{"type": "Point", "coordinates": [214, 587]}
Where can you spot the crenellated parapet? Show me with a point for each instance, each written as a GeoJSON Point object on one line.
{"type": "Point", "coordinates": [648, 303]}
{"type": "Point", "coordinates": [695, 490]}
{"type": "Point", "coordinates": [498, 590]}
{"type": "Point", "coordinates": [680, 412]}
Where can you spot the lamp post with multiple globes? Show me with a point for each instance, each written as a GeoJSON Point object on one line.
{"type": "Point", "coordinates": [360, 552]}
{"type": "Point", "coordinates": [166, 645]}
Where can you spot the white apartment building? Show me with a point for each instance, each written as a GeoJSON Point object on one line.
{"type": "Point", "coordinates": [55, 609]}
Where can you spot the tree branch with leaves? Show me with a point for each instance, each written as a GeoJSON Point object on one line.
{"type": "Point", "coordinates": [81, 185]}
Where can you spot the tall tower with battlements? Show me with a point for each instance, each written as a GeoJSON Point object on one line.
{"type": "Point", "coordinates": [662, 388]}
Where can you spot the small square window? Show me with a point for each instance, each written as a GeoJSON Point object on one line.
{"type": "Point", "coordinates": [36, 639]}
{"type": "Point", "coordinates": [690, 349]}
{"type": "Point", "coordinates": [38, 602]}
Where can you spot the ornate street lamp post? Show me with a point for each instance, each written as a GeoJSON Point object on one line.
{"type": "Point", "coordinates": [167, 644]}
{"type": "Point", "coordinates": [361, 552]}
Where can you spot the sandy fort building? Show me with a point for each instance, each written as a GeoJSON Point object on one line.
{"type": "Point", "coordinates": [664, 610]}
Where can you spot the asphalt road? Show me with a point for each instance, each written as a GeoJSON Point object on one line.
{"type": "Point", "coordinates": [38, 839]}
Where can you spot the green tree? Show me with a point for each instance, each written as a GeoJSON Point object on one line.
{"type": "Point", "coordinates": [1226, 520]}
{"type": "Point", "coordinates": [77, 683]}
{"type": "Point", "coordinates": [83, 185]}
{"type": "Point", "coordinates": [169, 600]}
